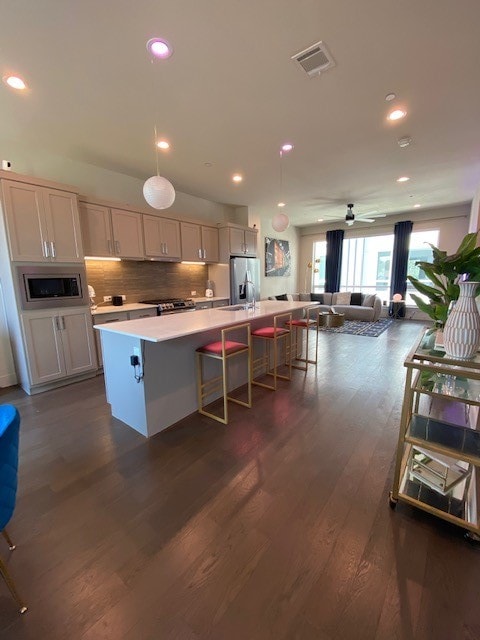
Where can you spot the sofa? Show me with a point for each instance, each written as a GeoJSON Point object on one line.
{"type": "Point", "coordinates": [355, 306]}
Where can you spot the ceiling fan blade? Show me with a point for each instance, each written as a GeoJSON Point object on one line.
{"type": "Point", "coordinates": [365, 219]}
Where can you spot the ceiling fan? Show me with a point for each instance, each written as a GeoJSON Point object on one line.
{"type": "Point", "coordinates": [362, 217]}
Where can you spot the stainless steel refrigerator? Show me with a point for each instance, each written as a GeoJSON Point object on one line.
{"type": "Point", "coordinates": [244, 280]}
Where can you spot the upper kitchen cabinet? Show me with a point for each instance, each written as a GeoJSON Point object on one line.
{"type": "Point", "coordinates": [111, 232]}
{"type": "Point", "coordinates": [237, 241]}
{"type": "Point", "coordinates": [162, 238]}
{"type": "Point", "coordinates": [127, 234]}
{"type": "Point", "coordinates": [199, 243]}
{"type": "Point", "coordinates": [43, 224]}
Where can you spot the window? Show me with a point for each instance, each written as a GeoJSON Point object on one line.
{"type": "Point", "coordinates": [419, 251]}
{"type": "Point", "coordinates": [367, 265]}
{"type": "Point", "coordinates": [315, 277]}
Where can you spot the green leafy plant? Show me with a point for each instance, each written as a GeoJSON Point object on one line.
{"type": "Point", "coordinates": [444, 273]}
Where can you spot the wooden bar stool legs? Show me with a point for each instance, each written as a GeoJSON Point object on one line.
{"type": "Point", "coordinates": [273, 338]}
{"type": "Point", "coordinates": [223, 350]}
{"type": "Point", "coordinates": [307, 324]}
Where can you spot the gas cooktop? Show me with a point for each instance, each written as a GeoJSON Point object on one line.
{"type": "Point", "coordinates": [171, 305]}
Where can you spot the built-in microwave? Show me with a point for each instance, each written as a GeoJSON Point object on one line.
{"type": "Point", "coordinates": [50, 287]}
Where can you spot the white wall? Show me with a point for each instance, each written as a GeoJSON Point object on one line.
{"type": "Point", "coordinates": [275, 285]}
{"type": "Point", "coordinates": [109, 185]}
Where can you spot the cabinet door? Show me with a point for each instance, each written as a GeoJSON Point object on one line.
{"type": "Point", "coordinates": [171, 239]}
{"type": "Point", "coordinates": [127, 234]}
{"type": "Point", "coordinates": [211, 252]}
{"type": "Point", "coordinates": [105, 318]}
{"type": "Point", "coordinates": [77, 341]}
{"type": "Point", "coordinates": [96, 230]}
{"type": "Point", "coordinates": [251, 243]}
{"type": "Point", "coordinates": [203, 305]}
{"type": "Point", "coordinates": [221, 303]}
{"type": "Point", "coordinates": [25, 215]}
{"type": "Point", "coordinates": [162, 238]}
{"type": "Point", "coordinates": [237, 241]}
{"type": "Point", "coordinates": [152, 232]}
{"type": "Point", "coordinates": [63, 225]}
{"type": "Point", "coordinates": [43, 341]}
{"type": "Point", "coordinates": [191, 241]}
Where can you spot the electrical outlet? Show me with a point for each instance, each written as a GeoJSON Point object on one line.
{"type": "Point", "coordinates": [107, 298]}
{"type": "Point", "coordinates": [124, 297]}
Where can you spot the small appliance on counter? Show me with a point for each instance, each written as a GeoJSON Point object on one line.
{"type": "Point", "coordinates": [117, 301]}
{"type": "Point", "coordinates": [210, 290]}
{"type": "Point", "coordinates": [91, 295]}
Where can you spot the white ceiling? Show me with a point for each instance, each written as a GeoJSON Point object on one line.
{"type": "Point", "coordinates": [230, 95]}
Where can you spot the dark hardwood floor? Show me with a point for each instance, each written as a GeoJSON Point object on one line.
{"type": "Point", "coordinates": [274, 527]}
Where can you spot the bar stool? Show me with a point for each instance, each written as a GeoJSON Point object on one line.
{"type": "Point", "coordinates": [223, 351]}
{"type": "Point", "coordinates": [272, 336]}
{"type": "Point", "coordinates": [305, 324]}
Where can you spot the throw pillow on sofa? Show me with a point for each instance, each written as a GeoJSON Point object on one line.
{"type": "Point", "coordinates": [343, 297]}
{"type": "Point", "coordinates": [317, 297]}
{"type": "Point", "coordinates": [356, 299]}
{"type": "Point", "coordinates": [282, 296]}
{"type": "Point", "coordinates": [369, 300]}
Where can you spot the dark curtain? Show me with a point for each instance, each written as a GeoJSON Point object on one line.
{"type": "Point", "coordinates": [401, 246]}
{"type": "Point", "coordinates": [333, 263]}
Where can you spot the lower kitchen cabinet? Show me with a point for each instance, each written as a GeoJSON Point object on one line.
{"type": "Point", "coordinates": [59, 344]}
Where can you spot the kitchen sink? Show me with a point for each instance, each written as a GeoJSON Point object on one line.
{"type": "Point", "coordinates": [234, 307]}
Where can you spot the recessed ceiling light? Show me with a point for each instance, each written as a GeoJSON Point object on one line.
{"type": "Point", "coordinates": [390, 96]}
{"type": "Point", "coordinates": [287, 147]}
{"type": "Point", "coordinates": [237, 177]}
{"type": "Point", "coordinates": [403, 179]}
{"type": "Point", "coordinates": [163, 144]}
{"type": "Point", "coordinates": [159, 48]}
{"type": "Point", "coordinates": [396, 114]}
{"type": "Point", "coordinates": [320, 220]}
{"type": "Point", "coordinates": [281, 204]}
{"type": "Point", "coordinates": [15, 82]}
{"type": "Point", "coordinates": [208, 164]}
{"type": "Point", "coordinates": [416, 206]}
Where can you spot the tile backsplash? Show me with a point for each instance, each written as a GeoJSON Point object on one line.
{"type": "Point", "coordinates": [145, 280]}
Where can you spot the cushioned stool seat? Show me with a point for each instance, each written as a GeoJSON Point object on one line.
{"type": "Point", "coordinates": [271, 337]}
{"type": "Point", "coordinates": [223, 350]}
{"type": "Point", "coordinates": [311, 321]}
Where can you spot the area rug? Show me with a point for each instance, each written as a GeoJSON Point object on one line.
{"type": "Point", "coordinates": [358, 328]}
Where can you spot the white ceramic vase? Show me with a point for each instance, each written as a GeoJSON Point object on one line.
{"type": "Point", "coordinates": [461, 336]}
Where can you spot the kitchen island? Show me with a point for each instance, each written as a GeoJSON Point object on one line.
{"type": "Point", "coordinates": [161, 389]}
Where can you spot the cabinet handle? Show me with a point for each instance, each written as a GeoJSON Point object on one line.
{"type": "Point", "coordinates": [52, 245]}
{"type": "Point", "coordinates": [117, 247]}
{"type": "Point", "coordinates": [145, 316]}
{"type": "Point", "coordinates": [200, 254]}
{"type": "Point", "coordinates": [57, 324]}
{"type": "Point", "coordinates": [45, 249]}
{"type": "Point", "coordinates": [63, 323]}
{"type": "Point", "coordinates": [166, 248]}
{"type": "Point", "coordinates": [204, 254]}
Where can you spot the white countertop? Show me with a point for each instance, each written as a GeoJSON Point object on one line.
{"type": "Point", "coordinates": [109, 308]}
{"type": "Point", "coordinates": [169, 327]}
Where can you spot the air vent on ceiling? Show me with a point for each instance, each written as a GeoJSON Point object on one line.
{"type": "Point", "coordinates": [315, 59]}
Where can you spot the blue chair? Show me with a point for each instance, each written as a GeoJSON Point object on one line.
{"type": "Point", "coordinates": [9, 428]}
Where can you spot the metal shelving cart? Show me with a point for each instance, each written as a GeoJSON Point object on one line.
{"type": "Point", "coordinates": [438, 449]}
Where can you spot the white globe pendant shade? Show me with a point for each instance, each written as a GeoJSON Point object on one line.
{"type": "Point", "coordinates": [159, 192]}
{"type": "Point", "coordinates": [280, 222]}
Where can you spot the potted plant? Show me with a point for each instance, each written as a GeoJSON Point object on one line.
{"type": "Point", "coordinates": [444, 273]}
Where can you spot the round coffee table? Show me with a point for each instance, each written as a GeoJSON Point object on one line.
{"type": "Point", "coordinates": [331, 320]}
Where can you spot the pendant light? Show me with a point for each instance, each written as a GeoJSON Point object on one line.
{"type": "Point", "coordinates": [280, 221]}
{"type": "Point", "coordinates": [157, 190]}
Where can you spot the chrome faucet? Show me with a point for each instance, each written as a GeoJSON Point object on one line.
{"type": "Point", "coordinates": [247, 304]}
